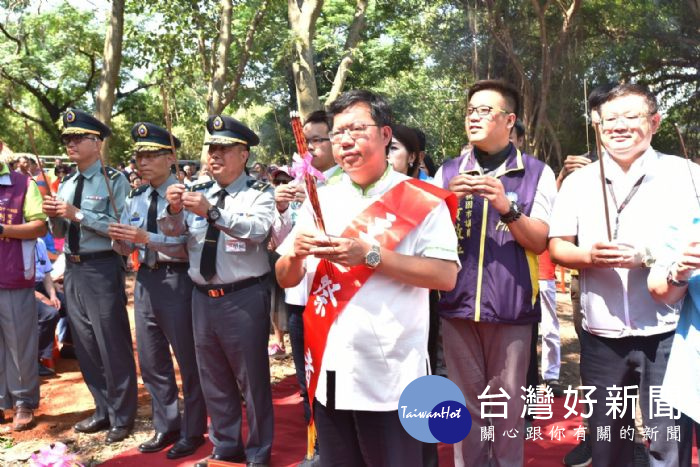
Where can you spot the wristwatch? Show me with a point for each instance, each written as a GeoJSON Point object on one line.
{"type": "Point", "coordinates": [79, 216]}
{"type": "Point", "coordinates": [213, 214]}
{"type": "Point", "coordinates": [373, 257]}
{"type": "Point", "coordinates": [672, 281]}
{"type": "Point", "coordinates": [512, 215]}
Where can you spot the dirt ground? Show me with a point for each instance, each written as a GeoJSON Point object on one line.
{"type": "Point", "coordinates": [66, 400]}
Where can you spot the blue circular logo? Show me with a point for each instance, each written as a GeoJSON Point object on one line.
{"type": "Point", "coordinates": [432, 409]}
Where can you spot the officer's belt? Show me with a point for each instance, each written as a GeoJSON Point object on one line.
{"type": "Point", "coordinates": [90, 256]}
{"type": "Point", "coordinates": [179, 265]}
{"type": "Point", "coordinates": [219, 290]}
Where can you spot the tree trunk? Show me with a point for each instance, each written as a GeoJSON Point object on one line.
{"type": "Point", "coordinates": [112, 58]}
{"type": "Point", "coordinates": [218, 79]}
{"type": "Point", "coordinates": [302, 20]}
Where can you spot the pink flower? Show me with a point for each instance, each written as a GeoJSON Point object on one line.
{"type": "Point", "coordinates": [301, 165]}
{"type": "Point", "coordinates": [53, 455]}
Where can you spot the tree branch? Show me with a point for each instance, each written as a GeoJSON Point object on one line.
{"type": "Point", "coordinates": [11, 37]}
{"type": "Point", "coordinates": [140, 86]}
{"type": "Point", "coordinates": [245, 54]}
{"type": "Point", "coordinates": [354, 34]}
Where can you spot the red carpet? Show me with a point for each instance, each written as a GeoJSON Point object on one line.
{"type": "Point", "coordinates": [289, 444]}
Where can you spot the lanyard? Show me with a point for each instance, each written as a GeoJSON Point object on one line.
{"type": "Point", "coordinates": [626, 201]}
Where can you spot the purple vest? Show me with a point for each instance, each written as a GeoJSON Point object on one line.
{"type": "Point", "coordinates": [498, 279]}
{"type": "Point", "coordinates": [11, 213]}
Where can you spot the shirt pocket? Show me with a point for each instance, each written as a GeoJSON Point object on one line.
{"type": "Point", "coordinates": [94, 205]}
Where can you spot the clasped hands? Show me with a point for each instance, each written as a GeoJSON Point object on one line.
{"type": "Point", "coordinates": [487, 187]}
{"type": "Point", "coordinates": [346, 252]}
{"type": "Point", "coordinates": [615, 255]}
{"type": "Point", "coordinates": [54, 206]}
{"type": "Point", "coordinates": [689, 261]}
{"type": "Point", "coordinates": [179, 198]}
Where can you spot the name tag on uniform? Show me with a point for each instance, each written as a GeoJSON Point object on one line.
{"type": "Point", "coordinates": [95, 197]}
{"type": "Point", "coordinates": [235, 246]}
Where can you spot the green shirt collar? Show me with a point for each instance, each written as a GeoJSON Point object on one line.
{"type": "Point", "coordinates": [368, 191]}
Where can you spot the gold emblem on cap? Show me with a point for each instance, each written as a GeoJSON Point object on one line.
{"type": "Point", "coordinates": [142, 131]}
{"type": "Point", "coordinates": [218, 123]}
{"type": "Point", "coordinates": [70, 116]}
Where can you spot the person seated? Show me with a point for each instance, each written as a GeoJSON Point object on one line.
{"type": "Point", "coordinates": [48, 305]}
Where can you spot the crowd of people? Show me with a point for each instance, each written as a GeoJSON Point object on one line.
{"type": "Point", "coordinates": [391, 270]}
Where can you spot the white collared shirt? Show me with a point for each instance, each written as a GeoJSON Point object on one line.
{"type": "Point", "coordinates": [616, 302]}
{"type": "Point", "coordinates": [378, 344]}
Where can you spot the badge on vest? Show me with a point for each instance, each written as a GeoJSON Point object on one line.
{"type": "Point", "coordinates": [235, 246]}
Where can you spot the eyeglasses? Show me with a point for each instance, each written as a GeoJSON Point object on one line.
{"type": "Point", "coordinates": [484, 110]}
{"type": "Point", "coordinates": [628, 120]}
{"type": "Point", "coordinates": [316, 141]}
{"type": "Point", "coordinates": [355, 131]}
{"type": "Point", "coordinates": [76, 139]}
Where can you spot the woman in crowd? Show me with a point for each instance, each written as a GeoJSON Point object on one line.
{"type": "Point", "coordinates": [404, 149]}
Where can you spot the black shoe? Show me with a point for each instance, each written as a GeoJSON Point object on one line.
{"type": "Point", "coordinates": [184, 447]}
{"type": "Point", "coordinates": [159, 441]}
{"type": "Point", "coordinates": [218, 457]}
{"type": "Point", "coordinates": [91, 425]}
{"type": "Point", "coordinates": [118, 433]}
{"type": "Point", "coordinates": [557, 388]}
{"type": "Point", "coordinates": [45, 371]}
{"type": "Point", "coordinates": [67, 352]}
{"type": "Point", "coordinates": [580, 456]}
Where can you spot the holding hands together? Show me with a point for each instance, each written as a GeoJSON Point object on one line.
{"type": "Point", "coordinates": [346, 252]}
{"type": "Point", "coordinates": [487, 187]}
{"type": "Point", "coordinates": [689, 261]}
{"type": "Point", "coordinates": [128, 233]}
{"type": "Point", "coordinates": [178, 198]}
{"type": "Point", "coordinates": [56, 207]}
{"type": "Point", "coordinates": [615, 255]}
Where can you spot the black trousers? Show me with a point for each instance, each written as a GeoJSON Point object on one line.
{"type": "Point", "coordinates": [355, 438]}
{"type": "Point", "coordinates": [627, 361]}
{"type": "Point", "coordinates": [96, 298]}
{"type": "Point", "coordinates": [295, 322]}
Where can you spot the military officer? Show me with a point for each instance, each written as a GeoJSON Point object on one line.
{"type": "Point", "coordinates": [162, 299]}
{"type": "Point", "coordinates": [227, 223]}
{"type": "Point", "coordinates": [94, 279]}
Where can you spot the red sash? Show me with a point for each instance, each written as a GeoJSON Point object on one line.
{"type": "Point", "coordinates": [386, 221]}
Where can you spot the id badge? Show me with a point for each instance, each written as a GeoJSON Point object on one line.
{"type": "Point", "coordinates": [235, 246]}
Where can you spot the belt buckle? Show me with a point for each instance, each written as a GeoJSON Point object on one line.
{"type": "Point", "coordinates": [215, 293]}
{"type": "Point", "coordinates": [74, 258]}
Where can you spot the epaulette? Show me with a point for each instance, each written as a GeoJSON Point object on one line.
{"type": "Point", "coordinates": [68, 177]}
{"type": "Point", "coordinates": [201, 186]}
{"type": "Point", "coordinates": [258, 185]}
{"type": "Point", "coordinates": [138, 191]}
{"type": "Point", "coordinates": [112, 172]}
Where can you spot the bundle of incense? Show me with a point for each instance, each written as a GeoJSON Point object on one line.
{"type": "Point", "coordinates": [302, 149]}
{"type": "Point", "coordinates": [168, 122]}
{"type": "Point", "coordinates": [32, 142]}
